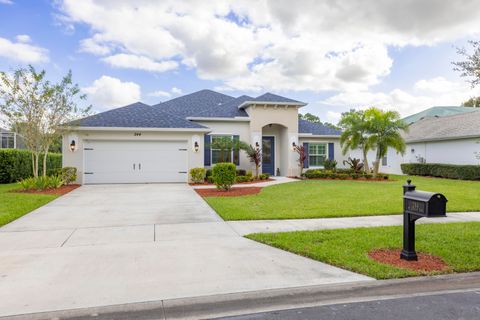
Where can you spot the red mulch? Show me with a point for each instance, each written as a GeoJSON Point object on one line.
{"type": "Point", "coordinates": [248, 182]}
{"type": "Point", "coordinates": [426, 262]}
{"type": "Point", "coordinates": [60, 191]}
{"type": "Point", "coordinates": [233, 192]}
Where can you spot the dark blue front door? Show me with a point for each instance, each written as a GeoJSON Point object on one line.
{"type": "Point", "coordinates": [268, 155]}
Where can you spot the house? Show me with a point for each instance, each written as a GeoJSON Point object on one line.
{"type": "Point", "coordinates": [139, 143]}
{"type": "Point", "coordinates": [10, 140]}
{"type": "Point", "coordinates": [449, 135]}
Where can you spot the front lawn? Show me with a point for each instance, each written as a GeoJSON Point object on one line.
{"type": "Point", "coordinates": [458, 244]}
{"type": "Point", "coordinates": [14, 205]}
{"type": "Point", "coordinates": [341, 198]}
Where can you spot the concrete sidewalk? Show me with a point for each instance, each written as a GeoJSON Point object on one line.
{"type": "Point", "coordinates": [261, 226]}
{"type": "Point", "coordinates": [275, 181]}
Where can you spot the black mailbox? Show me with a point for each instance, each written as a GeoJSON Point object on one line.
{"type": "Point", "coordinates": [416, 205]}
{"type": "Point", "coordinates": [425, 204]}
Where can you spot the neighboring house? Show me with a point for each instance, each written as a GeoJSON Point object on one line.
{"type": "Point", "coordinates": [139, 143]}
{"type": "Point", "coordinates": [448, 135]}
{"type": "Point", "coordinates": [10, 140]}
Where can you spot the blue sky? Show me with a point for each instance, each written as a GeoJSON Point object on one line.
{"type": "Point", "coordinates": [119, 52]}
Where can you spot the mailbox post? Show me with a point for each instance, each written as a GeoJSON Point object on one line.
{"type": "Point", "coordinates": [416, 205]}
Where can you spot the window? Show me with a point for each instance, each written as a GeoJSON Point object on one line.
{"type": "Point", "coordinates": [219, 155]}
{"type": "Point", "coordinates": [7, 140]}
{"type": "Point", "coordinates": [384, 161]}
{"type": "Point", "coordinates": [317, 153]}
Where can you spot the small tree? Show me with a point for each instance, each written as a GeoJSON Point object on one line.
{"type": "Point", "coordinates": [385, 132]}
{"type": "Point", "coordinates": [255, 157]}
{"type": "Point", "coordinates": [37, 109]}
{"type": "Point", "coordinates": [470, 67]}
{"type": "Point", "coordinates": [302, 156]}
{"type": "Point", "coordinates": [355, 134]}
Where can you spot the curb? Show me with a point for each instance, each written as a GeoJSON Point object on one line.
{"type": "Point", "coordinates": [207, 307]}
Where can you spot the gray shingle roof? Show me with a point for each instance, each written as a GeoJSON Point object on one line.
{"type": "Point", "coordinates": [318, 129]}
{"type": "Point", "coordinates": [137, 115]}
{"type": "Point", "coordinates": [444, 128]}
{"type": "Point", "coordinates": [227, 110]}
{"type": "Point", "coordinates": [194, 104]}
{"type": "Point", "coordinates": [270, 97]}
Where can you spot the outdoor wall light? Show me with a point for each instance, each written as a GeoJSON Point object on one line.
{"type": "Point", "coordinates": [72, 146]}
{"type": "Point", "coordinates": [413, 150]}
{"type": "Point", "coordinates": [294, 145]}
{"type": "Point", "coordinates": [257, 146]}
{"type": "Point", "coordinates": [196, 146]}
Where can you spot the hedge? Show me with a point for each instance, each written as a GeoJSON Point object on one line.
{"type": "Point", "coordinates": [450, 171]}
{"type": "Point", "coordinates": [16, 164]}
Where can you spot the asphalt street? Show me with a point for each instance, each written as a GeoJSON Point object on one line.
{"type": "Point", "coordinates": [464, 306]}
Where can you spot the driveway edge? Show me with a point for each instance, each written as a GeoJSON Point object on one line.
{"type": "Point", "coordinates": [268, 300]}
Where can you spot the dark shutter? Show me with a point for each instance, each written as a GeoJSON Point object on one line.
{"type": "Point", "coordinates": [305, 163]}
{"type": "Point", "coordinates": [206, 155]}
{"type": "Point", "coordinates": [236, 150]}
{"type": "Point", "coordinates": [331, 151]}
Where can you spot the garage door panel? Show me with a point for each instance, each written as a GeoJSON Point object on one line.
{"type": "Point", "coordinates": [135, 161]}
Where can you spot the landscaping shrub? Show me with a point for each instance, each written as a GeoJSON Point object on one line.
{"type": "Point", "coordinates": [68, 174]}
{"type": "Point", "coordinates": [241, 172]}
{"type": "Point", "coordinates": [246, 178]}
{"type": "Point", "coordinates": [197, 175]}
{"type": "Point", "coordinates": [208, 173]}
{"type": "Point", "coordinates": [224, 175]}
{"type": "Point", "coordinates": [16, 165]}
{"type": "Point", "coordinates": [368, 176]}
{"type": "Point", "coordinates": [330, 164]}
{"type": "Point", "coordinates": [210, 179]}
{"type": "Point", "coordinates": [264, 176]}
{"type": "Point", "coordinates": [41, 183]}
{"type": "Point", "coordinates": [450, 171]}
{"type": "Point", "coordinates": [342, 174]}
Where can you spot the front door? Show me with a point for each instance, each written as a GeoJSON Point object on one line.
{"type": "Point", "coordinates": [268, 155]}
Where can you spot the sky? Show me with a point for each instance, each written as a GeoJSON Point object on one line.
{"type": "Point", "coordinates": [333, 55]}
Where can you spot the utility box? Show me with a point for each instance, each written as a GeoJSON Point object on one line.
{"type": "Point", "coordinates": [416, 205]}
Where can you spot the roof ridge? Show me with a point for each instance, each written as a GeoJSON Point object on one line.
{"type": "Point", "coordinates": [192, 93]}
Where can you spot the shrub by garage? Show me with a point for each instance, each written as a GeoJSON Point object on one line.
{"type": "Point", "coordinates": [224, 175]}
{"type": "Point", "coordinates": [16, 165]}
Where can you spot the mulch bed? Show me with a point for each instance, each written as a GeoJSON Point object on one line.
{"type": "Point", "coordinates": [248, 182]}
{"type": "Point", "coordinates": [59, 191]}
{"type": "Point", "coordinates": [233, 192]}
{"type": "Point", "coordinates": [426, 262]}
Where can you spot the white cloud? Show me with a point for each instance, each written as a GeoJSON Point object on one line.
{"type": "Point", "coordinates": [160, 94]}
{"type": "Point", "coordinates": [424, 94]}
{"type": "Point", "coordinates": [108, 92]}
{"type": "Point", "coordinates": [6, 2]}
{"type": "Point", "coordinates": [22, 51]}
{"type": "Point", "coordinates": [270, 45]}
{"type": "Point", "coordinates": [131, 61]}
{"type": "Point", "coordinates": [333, 117]}
{"type": "Point", "coordinates": [176, 91]}
{"type": "Point", "coordinates": [23, 38]}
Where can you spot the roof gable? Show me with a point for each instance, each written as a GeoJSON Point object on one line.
{"type": "Point", "coordinates": [226, 110]}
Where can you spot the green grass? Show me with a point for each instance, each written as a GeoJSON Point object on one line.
{"type": "Point", "coordinates": [341, 198]}
{"type": "Point", "coordinates": [14, 205]}
{"type": "Point", "coordinates": [458, 244]}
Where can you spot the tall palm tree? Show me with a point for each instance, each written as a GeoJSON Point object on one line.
{"type": "Point", "coordinates": [355, 134]}
{"type": "Point", "coordinates": [384, 132]}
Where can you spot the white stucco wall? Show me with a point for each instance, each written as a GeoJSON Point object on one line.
{"type": "Point", "coordinates": [76, 158]}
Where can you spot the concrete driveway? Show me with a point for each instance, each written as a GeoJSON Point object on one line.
{"type": "Point", "coordinates": [114, 244]}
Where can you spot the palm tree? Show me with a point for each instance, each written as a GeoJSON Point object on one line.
{"type": "Point", "coordinates": [355, 134]}
{"type": "Point", "coordinates": [384, 129]}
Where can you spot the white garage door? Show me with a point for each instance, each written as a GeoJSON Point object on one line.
{"type": "Point", "coordinates": [135, 161]}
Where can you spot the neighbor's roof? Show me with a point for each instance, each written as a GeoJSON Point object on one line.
{"type": "Point", "coordinates": [436, 112]}
{"type": "Point", "coordinates": [457, 126]}
{"type": "Point", "coordinates": [318, 129]}
{"type": "Point", "coordinates": [137, 115]}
